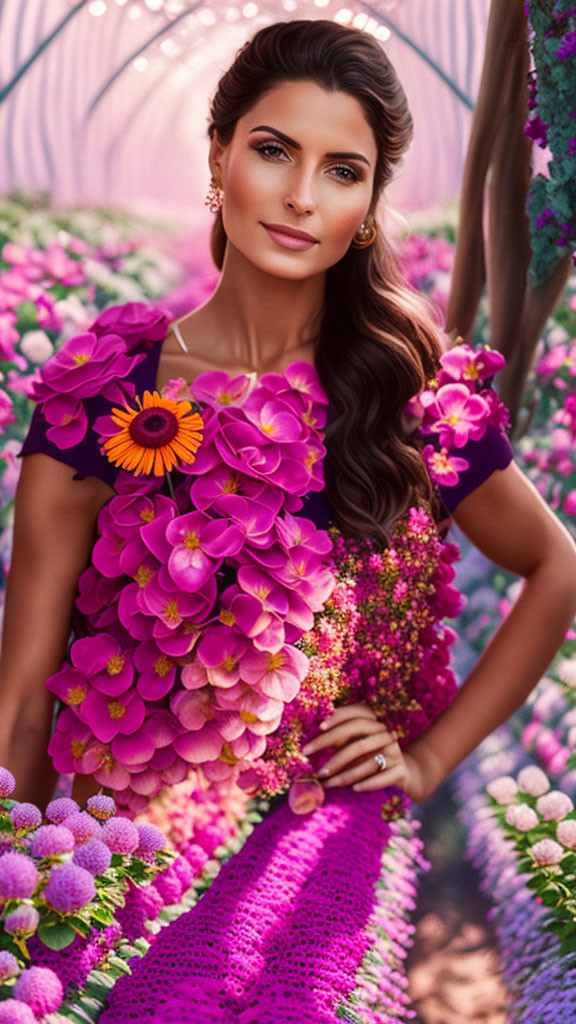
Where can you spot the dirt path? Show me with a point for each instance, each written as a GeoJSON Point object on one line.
{"type": "Point", "coordinates": [454, 966]}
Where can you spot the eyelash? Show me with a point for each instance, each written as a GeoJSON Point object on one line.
{"type": "Point", "coordinates": [263, 146]}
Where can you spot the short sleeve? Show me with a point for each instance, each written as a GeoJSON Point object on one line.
{"type": "Point", "coordinates": [492, 451]}
{"type": "Point", "coordinates": [86, 457]}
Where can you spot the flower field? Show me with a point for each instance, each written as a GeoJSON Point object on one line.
{"type": "Point", "coordinates": [85, 890]}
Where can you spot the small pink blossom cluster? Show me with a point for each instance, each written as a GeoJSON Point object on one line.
{"type": "Point", "coordinates": [380, 639]}
{"type": "Point", "coordinates": [457, 407]}
{"type": "Point", "coordinates": [197, 599]}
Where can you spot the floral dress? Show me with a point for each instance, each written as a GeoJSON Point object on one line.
{"type": "Point", "coordinates": [222, 617]}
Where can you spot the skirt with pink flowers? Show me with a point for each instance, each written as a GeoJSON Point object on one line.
{"type": "Point", "coordinates": [307, 923]}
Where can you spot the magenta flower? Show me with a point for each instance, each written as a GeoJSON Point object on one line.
{"type": "Point", "coordinates": [99, 762]}
{"type": "Point", "coordinates": [68, 420]}
{"type": "Point", "coordinates": [220, 651]}
{"type": "Point", "coordinates": [462, 416]}
{"type": "Point", "coordinates": [275, 675]}
{"type": "Point", "coordinates": [69, 685]}
{"type": "Point", "coordinates": [257, 713]}
{"type": "Point", "coordinates": [107, 716]}
{"type": "Point", "coordinates": [461, 363]}
{"type": "Point", "coordinates": [133, 751]}
{"type": "Point", "coordinates": [83, 366]}
{"type": "Point", "coordinates": [247, 614]}
{"type": "Point", "coordinates": [273, 417]}
{"type": "Point", "coordinates": [200, 746]}
{"type": "Point", "coordinates": [198, 546]}
{"type": "Point", "coordinates": [106, 666]}
{"type": "Point", "coordinates": [217, 389]}
{"type": "Point", "coordinates": [69, 888]}
{"type": "Point", "coordinates": [68, 743]}
{"type": "Point", "coordinates": [156, 672]}
{"type": "Point", "coordinates": [193, 708]}
{"type": "Point", "coordinates": [443, 468]}
{"type": "Point", "coordinates": [136, 322]}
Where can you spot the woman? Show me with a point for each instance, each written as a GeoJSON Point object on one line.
{"type": "Point", "coordinates": [306, 128]}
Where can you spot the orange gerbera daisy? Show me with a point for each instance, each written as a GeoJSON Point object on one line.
{"type": "Point", "coordinates": [155, 437]}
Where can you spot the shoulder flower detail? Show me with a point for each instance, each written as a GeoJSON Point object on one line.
{"type": "Point", "coordinates": [94, 363]}
{"type": "Point", "coordinates": [457, 406]}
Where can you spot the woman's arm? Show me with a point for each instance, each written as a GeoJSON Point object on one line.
{"type": "Point", "coordinates": [54, 528]}
{"type": "Point", "coordinates": [509, 522]}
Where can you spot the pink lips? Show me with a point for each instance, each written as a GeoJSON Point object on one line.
{"type": "Point", "coordinates": [289, 237]}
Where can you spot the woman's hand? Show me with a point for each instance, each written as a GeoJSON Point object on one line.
{"type": "Point", "coordinates": [358, 735]}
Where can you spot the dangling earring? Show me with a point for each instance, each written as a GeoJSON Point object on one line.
{"type": "Point", "coordinates": [364, 237]}
{"type": "Point", "coordinates": [214, 198]}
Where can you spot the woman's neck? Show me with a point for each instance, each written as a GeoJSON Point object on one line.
{"type": "Point", "coordinates": [263, 318]}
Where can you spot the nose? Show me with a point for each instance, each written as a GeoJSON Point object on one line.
{"type": "Point", "coordinates": [300, 197]}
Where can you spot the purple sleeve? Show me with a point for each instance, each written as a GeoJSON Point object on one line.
{"type": "Point", "coordinates": [86, 457]}
{"type": "Point", "coordinates": [492, 451]}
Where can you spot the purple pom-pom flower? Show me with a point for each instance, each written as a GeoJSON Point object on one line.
{"type": "Point", "coordinates": [101, 806]}
{"type": "Point", "coordinates": [83, 826]}
{"type": "Point", "coordinates": [94, 856]}
{"type": "Point", "coordinates": [22, 922]}
{"type": "Point", "coordinates": [7, 782]}
{"type": "Point", "coordinates": [18, 876]}
{"type": "Point", "coordinates": [41, 989]}
{"type": "Point", "coordinates": [52, 841]}
{"type": "Point", "coordinates": [12, 1011]}
{"type": "Point", "coordinates": [120, 835]}
{"type": "Point", "coordinates": [25, 816]}
{"type": "Point", "coordinates": [60, 809]}
{"type": "Point", "coordinates": [69, 888]}
{"type": "Point", "coordinates": [9, 967]}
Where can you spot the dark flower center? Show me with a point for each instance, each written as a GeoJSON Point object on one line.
{"type": "Point", "coordinates": [153, 428]}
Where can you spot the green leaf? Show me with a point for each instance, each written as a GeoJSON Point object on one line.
{"type": "Point", "coordinates": [56, 936]}
{"type": "Point", "coordinates": [102, 915]}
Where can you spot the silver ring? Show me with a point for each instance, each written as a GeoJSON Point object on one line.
{"type": "Point", "coordinates": [380, 761]}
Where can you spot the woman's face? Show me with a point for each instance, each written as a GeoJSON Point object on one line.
{"type": "Point", "coordinates": [302, 158]}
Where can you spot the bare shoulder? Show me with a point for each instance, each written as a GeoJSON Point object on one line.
{"type": "Point", "coordinates": [509, 522]}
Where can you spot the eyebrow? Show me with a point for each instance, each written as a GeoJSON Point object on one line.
{"type": "Point", "coordinates": [296, 145]}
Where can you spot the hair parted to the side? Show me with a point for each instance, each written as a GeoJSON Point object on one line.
{"type": "Point", "coordinates": [379, 342]}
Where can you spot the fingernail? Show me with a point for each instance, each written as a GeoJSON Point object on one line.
{"type": "Point", "coordinates": [306, 750]}
{"type": "Point", "coordinates": [323, 725]}
{"type": "Point", "coordinates": [324, 772]}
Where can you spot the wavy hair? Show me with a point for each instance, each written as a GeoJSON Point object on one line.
{"type": "Point", "coordinates": [379, 342]}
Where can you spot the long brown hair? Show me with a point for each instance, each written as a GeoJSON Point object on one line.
{"type": "Point", "coordinates": [378, 343]}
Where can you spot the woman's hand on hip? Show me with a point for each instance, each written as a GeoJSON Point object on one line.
{"type": "Point", "coordinates": [358, 736]}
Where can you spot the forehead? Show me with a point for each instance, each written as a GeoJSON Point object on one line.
{"type": "Point", "coordinates": [314, 116]}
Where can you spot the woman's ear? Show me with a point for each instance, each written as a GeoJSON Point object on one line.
{"type": "Point", "coordinates": [215, 156]}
